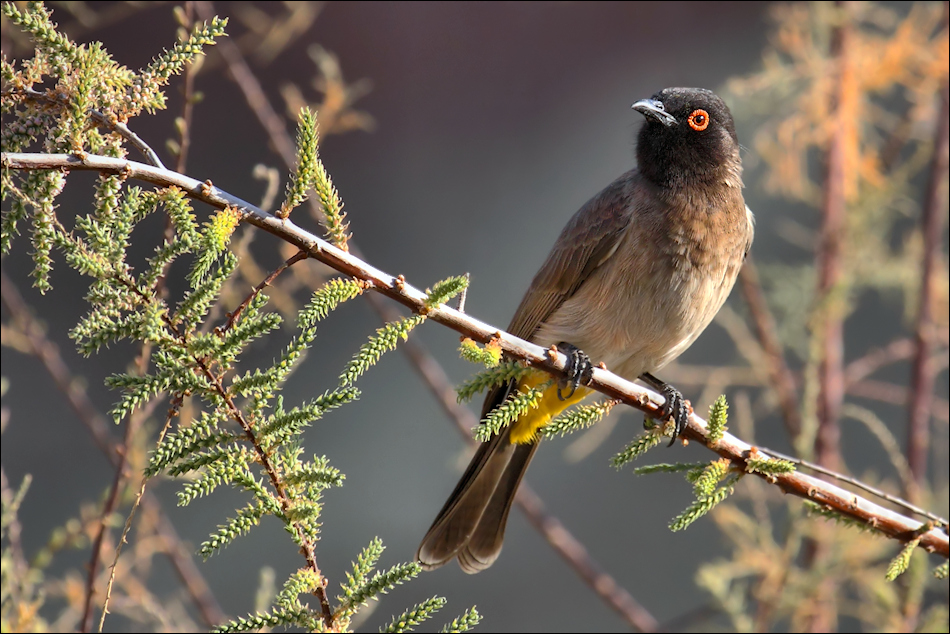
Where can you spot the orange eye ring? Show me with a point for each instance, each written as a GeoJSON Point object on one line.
{"type": "Point", "coordinates": [699, 120]}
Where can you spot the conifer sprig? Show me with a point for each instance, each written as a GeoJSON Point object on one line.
{"type": "Point", "coordinates": [304, 177]}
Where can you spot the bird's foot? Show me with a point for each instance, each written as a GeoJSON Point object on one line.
{"type": "Point", "coordinates": [676, 406]}
{"type": "Point", "coordinates": [579, 369]}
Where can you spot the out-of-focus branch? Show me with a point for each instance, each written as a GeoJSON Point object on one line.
{"type": "Point", "coordinates": [253, 93]}
{"type": "Point", "coordinates": [188, 97]}
{"type": "Point", "coordinates": [828, 314]}
{"type": "Point", "coordinates": [829, 257]}
{"type": "Point", "coordinates": [48, 354]}
{"type": "Point", "coordinates": [118, 479]}
{"type": "Point", "coordinates": [780, 376]}
{"type": "Point", "coordinates": [922, 373]}
{"type": "Point", "coordinates": [843, 502]}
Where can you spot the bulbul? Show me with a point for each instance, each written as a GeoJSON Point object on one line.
{"type": "Point", "coordinates": [633, 279]}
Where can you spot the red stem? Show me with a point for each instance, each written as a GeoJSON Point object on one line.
{"type": "Point", "coordinates": [922, 373]}
{"type": "Point", "coordinates": [830, 371]}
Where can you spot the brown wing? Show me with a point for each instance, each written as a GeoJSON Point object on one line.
{"type": "Point", "coordinates": [587, 241]}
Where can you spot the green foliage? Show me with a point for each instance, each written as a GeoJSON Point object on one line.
{"type": "Point", "coordinates": [146, 91]}
{"type": "Point", "coordinates": [281, 426]}
{"type": "Point", "coordinates": [414, 616]}
{"type": "Point", "coordinates": [360, 587]}
{"type": "Point", "coordinates": [384, 341]}
{"type": "Point", "coordinates": [331, 295]}
{"type": "Point", "coordinates": [238, 432]}
{"type": "Point", "coordinates": [276, 618]}
{"type": "Point", "coordinates": [241, 524]}
{"type": "Point", "coordinates": [498, 375]}
{"type": "Point", "coordinates": [942, 571]}
{"type": "Point", "coordinates": [362, 568]}
{"type": "Point", "coordinates": [705, 483]}
{"type": "Point", "coordinates": [700, 507]}
{"type": "Point", "coordinates": [642, 444]}
{"type": "Point", "coordinates": [463, 623]}
{"type": "Point", "coordinates": [820, 510]}
{"type": "Point", "coordinates": [488, 356]}
{"type": "Point", "coordinates": [36, 21]}
{"type": "Point", "coordinates": [334, 219]}
{"type": "Point", "coordinates": [304, 177]}
{"type": "Point", "coordinates": [689, 467]}
{"type": "Point", "coordinates": [718, 415]}
{"type": "Point", "coordinates": [214, 240]}
{"type": "Point", "coordinates": [769, 466]}
{"type": "Point", "coordinates": [901, 562]}
{"type": "Point", "coordinates": [514, 407]}
{"type": "Point", "coordinates": [445, 290]}
{"type": "Point", "coordinates": [579, 417]}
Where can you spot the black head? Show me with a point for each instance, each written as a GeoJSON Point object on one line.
{"type": "Point", "coordinates": [688, 137]}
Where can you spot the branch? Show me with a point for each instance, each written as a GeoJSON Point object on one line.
{"type": "Point", "coordinates": [783, 382]}
{"type": "Point", "coordinates": [108, 121]}
{"type": "Point", "coordinates": [830, 258]}
{"type": "Point", "coordinates": [233, 317]}
{"type": "Point", "coordinates": [923, 372]}
{"type": "Point", "coordinates": [841, 501]}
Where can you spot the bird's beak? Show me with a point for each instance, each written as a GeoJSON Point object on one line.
{"type": "Point", "coordinates": [655, 109]}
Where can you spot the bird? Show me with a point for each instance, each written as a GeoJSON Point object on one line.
{"type": "Point", "coordinates": [633, 279]}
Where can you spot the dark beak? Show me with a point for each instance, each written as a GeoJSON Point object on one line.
{"type": "Point", "coordinates": [654, 109]}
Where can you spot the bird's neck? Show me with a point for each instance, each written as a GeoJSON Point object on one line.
{"type": "Point", "coordinates": [679, 172]}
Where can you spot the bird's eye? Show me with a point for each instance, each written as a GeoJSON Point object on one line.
{"type": "Point", "coordinates": [698, 120]}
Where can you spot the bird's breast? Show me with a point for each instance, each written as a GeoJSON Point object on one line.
{"type": "Point", "coordinates": [659, 290]}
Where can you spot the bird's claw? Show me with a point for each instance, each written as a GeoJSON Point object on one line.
{"type": "Point", "coordinates": [677, 408]}
{"type": "Point", "coordinates": [579, 369]}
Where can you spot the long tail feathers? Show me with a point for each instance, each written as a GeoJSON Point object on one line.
{"type": "Point", "coordinates": [471, 525]}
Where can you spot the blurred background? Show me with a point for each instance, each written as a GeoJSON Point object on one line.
{"type": "Point", "coordinates": [462, 137]}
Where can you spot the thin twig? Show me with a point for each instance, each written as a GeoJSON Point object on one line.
{"type": "Point", "coordinates": [233, 317]}
{"type": "Point", "coordinates": [172, 412]}
{"type": "Point", "coordinates": [253, 93]}
{"type": "Point", "coordinates": [743, 376]}
{"type": "Point", "coordinates": [107, 509]}
{"type": "Point", "coordinates": [828, 313]}
{"type": "Point", "coordinates": [922, 374]}
{"type": "Point", "coordinates": [848, 504]}
{"type": "Point", "coordinates": [896, 395]}
{"type": "Point", "coordinates": [99, 429]}
{"type": "Point", "coordinates": [884, 495]}
{"type": "Point", "coordinates": [863, 367]}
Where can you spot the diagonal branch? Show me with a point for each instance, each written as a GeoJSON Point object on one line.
{"type": "Point", "coordinates": [846, 503]}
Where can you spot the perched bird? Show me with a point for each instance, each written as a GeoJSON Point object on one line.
{"type": "Point", "coordinates": [635, 276]}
